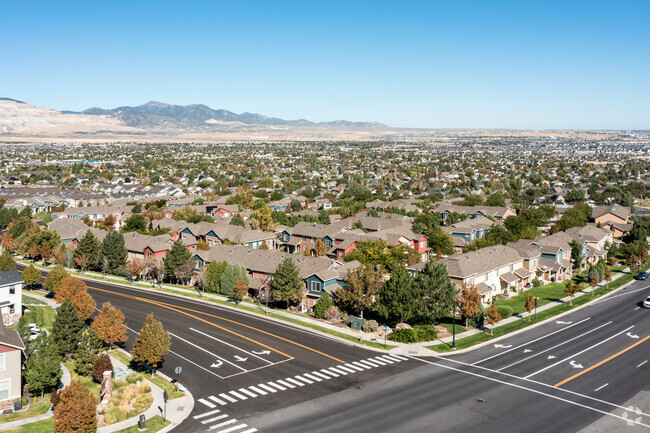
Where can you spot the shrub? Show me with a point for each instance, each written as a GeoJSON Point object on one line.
{"type": "Point", "coordinates": [505, 311]}
{"type": "Point", "coordinates": [54, 398]}
{"type": "Point", "coordinates": [141, 404]}
{"type": "Point", "coordinates": [426, 332]}
{"type": "Point", "coordinates": [129, 393]}
{"type": "Point", "coordinates": [322, 305]}
{"type": "Point", "coordinates": [404, 336]}
{"type": "Point", "coordinates": [536, 283]}
{"type": "Point", "coordinates": [370, 326]}
{"type": "Point", "coordinates": [133, 378]}
{"type": "Point", "coordinates": [347, 319]}
{"type": "Point", "coordinates": [112, 416]}
{"type": "Point", "coordinates": [333, 313]}
{"type": "Point", "coordinates": [144, 387]}
{"type": "Point", "coordinates": [102, 364]}
{"type": "Point", "coordinates": [477, 319]}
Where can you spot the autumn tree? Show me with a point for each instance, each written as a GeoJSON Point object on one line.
{"type": "Point", "coordinates": [46, 254]}
{"type": "Point", "coordinates": [152, 343]}
{"type": "Point", "coordinates": [287, 286]}
{"type": "Point", "coordinates": [361, 289]}
{"type": "Point", "coordinates": [67, 328]}
{"type": "Point", "coordinates": [239, 291]}
{"type": "Point", "coordinates": [58, 255]}
{"type": "Point", "coordinates": [320, 248]}
{"type": "Point", "coordinates": [76, 411]}
{"type": "Point", "coordinates": [109, 325]}
{"type": "Point", "coordinates": [102, 363]}
{"type": "Point", "coordinates": [33, 252]}
{"type": "Point", "coordinates": [493, 317]}
{"type": "Point", "coordinates": [55, 277]}
{"type": "Point", "coordinates": [31, 275]}
{"type": "Point", "coordinates": [570, 289]}
{"type": "Point", "coordinates": [469, 302]}
{"type": "Point", "coordinates": [76, 290]}
{"type": "Point", "coordinates": [184, 272]}
{"type": "Point", "coordinates": [135, 268]}
{"type": "Point", "coordinates": [529, 303]}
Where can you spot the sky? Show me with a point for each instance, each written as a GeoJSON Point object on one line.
{"type": "Point", "coordinates": [429, 64]}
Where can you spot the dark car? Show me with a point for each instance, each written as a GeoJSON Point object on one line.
{"type": "Point", "coordinates": [643, 275]}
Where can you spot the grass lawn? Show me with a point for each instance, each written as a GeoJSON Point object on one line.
{"type": "Point", "coordinates": [172, 392]}
{"type": "Point", "coordinates": [47, 426]}
{"type": "Point", "coordinates": [43, 316]}
{"type": "Point", "coordinates": [153, 425]}
{"type": "Point", "coordinates": [44, 426]}
{"type": "Point", "coordinates": [28, 300]}
{"type": "Point", "coordinates": [37, 408]}
{"type": "Point", "coordinates": [447, 322]}
{"type": "Point", "coordinates": [548, 293]}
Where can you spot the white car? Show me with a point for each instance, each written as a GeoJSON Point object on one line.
{"type": "Point", "coordinates": [32, 327]}
{"type": "Point", "coordinates": [646, 303]}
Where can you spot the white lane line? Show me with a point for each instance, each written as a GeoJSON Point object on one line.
{"type": "Point", "coordinates": [403, 358]}
{"type": "Point", "coordinates": [207, 403]}
{"type": "Point", "coordinates": [378, 360]}
{"type": "Point", "coordinates": [348, 369]}
{"type": "Point", "coordinates": [531, 342]}
{"type": "Point", "coordinates": [275, 385]}
{"type": "Point", "coordinates": [364, 362]}
{"type": "Point", "coordinates": [232, 345]}
{"type": "Point", "coordinates": [337, 370]}
{"type": "Point", "coordinates": [349, 365]}
{"type": "Point", "coordinates": [268, 388]}
{"type": "Point", "coordinates": [581, 352]}
{"type": "Point", "coordinates": [553, 347]}
{"type": "Point", "coordinates": [285, 383]}
{"type": "Point", "coordinates": [503, 382]}
{"type": "Point", "coordinates": [216, 426]}
{"type": "Point", "coordinates": [257, 390]}
{"type": "Point", "coordinates": [319, 374]}
{"type": "Point", "coordinates": [330, 373]}
{"type": "Point", "coordinates": [304, 379]}
{"type": "Point", "coordinates": [238, 395]}
{"type": "Point", "coordinates": [641, 363]}
{"type": "Point", "coordinates": [599, 388]}
{"type": "Point", "coordinates": [312, 377]}
{"type": "Point", "coordinates": [381, 358]}
{"type": "Point", "coordinates": [217, 400]}
{"type": "Point", "coordinates": [621, 294]}
{"type": "Point", "coordinates": [208, 352]}
{"type": "Point", "coordinates": [294, 381]}
{"type": "Point", "coordinates": [216, 418]}
{"type": "Point", "coordinates": [247, 392]}
{"type": "Point", "coordinates": [231, 429]}
{"type": "Point", "coordinates": [203, 415]}
{"type": "Point", "coordinates": [358, 364]}
{"type": "Point", "coordinates": [227, 397]}
{"type": "Point", "coordinates": [371, 362]}
{"type": "Point", "coordinates": [636, 308]}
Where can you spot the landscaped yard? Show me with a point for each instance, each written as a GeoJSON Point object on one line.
{"type": "Point", "coordinates": [37, 408]}
{"type": "Point", "coordinates": [43, 316]}
{"type": "Point", "coordinates": [172, 392]}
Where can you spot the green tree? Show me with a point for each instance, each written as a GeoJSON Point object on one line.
{"type": "Point", "coordinates": [436, 290]}
{"type": "Point", "coordinates": [76, 411]}
{"type": "Point", "coordinates": [440, 241]}
{"type": "Point", "coordinates": [361, 289]}
{"type": "Point", "coordinates": [152, 344]}
{"type": "Point", "coordinates": [175, 257]}
{"type": "Point", "coordinates": [135, 223]}
{"type": "Point", "coordinates": [89, 247]}
{"type": "Point", "coordinates": [231, 274]}
{"type": "Point", "coordinates": [7, 263]}
{"type": "Point", "coordinates": [66, 329]}
{"type": "Point", "coordinates": [398, 300]}
{"type": "Point", "coordinates": [496, 199]}
{"type": "Point", "coordinates": [267, 182]}
{"type": "Point", "coordinates": [576, 253]}
{"type": "Point", "coordinates": [287, 286]}
{"type": "Point", "coordinates": [42, 367]}
{"type": "Point", "coordinates": [323, 217]}
{"type": "Point", "coordinates": [323, 303]}
{"type": "Point", "coordinates": [88, 350]}
{"type": "Point", "coordinates": [261, 219]}
{"type": "Point", "coordinates": [237, 221]}
{"type": "Point", "coordinates": [213, 276]}
{"type": "Point", "coordinates": [55, 277]}
{"type": "Point", "coordinates": [31, 275]}
{"type": "Point", "coordinates": [114, 251]}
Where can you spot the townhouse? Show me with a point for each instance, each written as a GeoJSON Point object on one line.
{"type": "Point", "coordinates": [614, 217]}
{"type": "Point", "coordinates": [11, 362]}
{"type": "Point", "coordinates": [97, 213]}
{"type": "Point", "coordinates": [597, 239]}
{"type": "Point", "coordinates": [11, 296]}
{"type": "Point", "coordinates": [218, 233]}
{"type": "Point", "coordinates": [497, 212]}
{"type": "Point", "coordinates": [465, 232]}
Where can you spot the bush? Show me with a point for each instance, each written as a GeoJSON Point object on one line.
{"type": "Point", "coordinates": [102, 364]}
{"type": "Point", "coordinates": [333, 313]}
{"type": "Point", "coordinates": [477, 319]}
{"type": "Point", "coordinates": [426, 332]}
{"type": "Point", "coordinates": [132, 378]}
{"type": "Point", "coordinates": [54, 398]}
{"type": "Point", "coordinates": [505, 311]}
{"type": "Point", "coordinates": [322, 305]}
{"type": "Point", "coordinates": [536, 283]}
{"type": "Point", "coordinates": [347, 319]}
{"type": "Point", "coordinates": [370, 326]}
{"type": "Point", "coordinates": [404, 336]}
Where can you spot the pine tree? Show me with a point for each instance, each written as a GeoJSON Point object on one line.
{"type": "Point", "coordinates": [7, 263]}
{"type": "Point", "coordinates": [175, 257]}
{"type": "Point", "coordinates": [76, 411]}
{"type": "Point", "coordinates": [55, 277]}
{"type": "Point", "coordinates": [324, 302]}
{"type": "Point", "coordinates": [114, 251]}
{"type": "Point", "coordinates": [213, 276]}
{"type": "Point", "coordinates": [287, 286]}
{"type": "Point", "coordinates": [436, 290]}
{"type": "Point", "coordinates": [31, 275]}
{"type": "Point", "coordinates": [109, 325]}
{"type": "Point", "coordinates": [76, 290]}
{"type": "Point", "coordinates": [361, 289]}
{"type": "Point", "coordinates": [67, 328]}
{"type": "Point", "coordinates": [230, 276]}
{"type": "Point", "coordinates": [88, 350]}
{"type": "Point", "coordinates": [152, 344]}
{"type": "Point", "coordinates": [398, 301]}
{"type": "Point", "coordinates": [88, 246]}
{"type": "Point", "coordinates": [42, 367]}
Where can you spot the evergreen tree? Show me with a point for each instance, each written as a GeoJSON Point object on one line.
{"type": "Point", "coordinates": [398, 301]}
{"type": "Point", "coordinates": [230, 276]}
{"type": "Point", "coordinates": [88, 350]}
{"type": "Point", "coordinates": [213, 276]}
{"type": "Point", "coordinates": [31, 275]}
{"type": "Point", "coordinates": [67, 328]}
{"type": "Point", "coordinates": [7, 263]}
{"type": "Point", "coordinates": [152, 344]}
{"type": "Point", "coordinates": [175, 257]}
{"type": "Point", "coordinates": [576, 253]}
{"type": "Point", "coordinates": [237, 221]}
{"type": "Point", "coordinates": [76, 410]}
{"type": "Point", "coordinates": [42, 367]}
{"type": "Point", "coordinates": [114, 251]}
{"type": "Point", "coordinates": [55, 277]}
{"type": "Point", "coordinates": [136, 222]}
{"type": "Point", "coordinates": [109, 325]}
{"type": "Point", "coordinates": [287, 286]}
{"type": "Point", "coordinates": [436, 290]}
{"type": "Point", "coordinates": [324, 302]}
{"type": "Point", "coordinates": [89, 247]}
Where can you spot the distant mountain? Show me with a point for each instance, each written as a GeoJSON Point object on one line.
{"type": "Point", "coordinates": [158, 115]}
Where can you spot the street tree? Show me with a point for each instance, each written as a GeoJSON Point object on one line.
{"type": "Point", "coordinates": [361, 289]}
{"type": "Point", "coordinates": [88, 246]}
{"type": "Point", "coordinates": [239, 291]}
{"type": "Point", "coordinates": [435, 289]}
{"type": "Point", "coordinates": [31, 275]}
{"type": "Point", "coordinates": [82, 261]}
{"type": "Point", "coordinates": [66, 330]}
{"type": "Point", "coordinates": [287, 286]}
{"type": "Point", "coordinates": [213, 276]}
{"type": "Point", "coordinates": [469, 302]}
{"type": "Point", "coordinates": [570, 289]}
{"type": "Point", "coordinates": [184, 272]}
{"type": "Point", "coordinates": [152, 344]}
{"type": "Point", "coordinates": [76, 410]}
{"type": "Point", "coordinates": [55, 277]}
{"type": "Point", "coordinates": [175, 257]}
{"type": "Point", "coordinates": [398, 300]}
{"type": "Point", "coordinates": [76, 290]}
{"type": "Point", "coordinates": [230, 276]}
{"type": "Point", "coordinates": [109, 325]}
{"type": "Point", "coordinates": [42, 366]}
{"type": "Point", "coordinates": [103, 265]}
{"type": "Point", "coordinates": [114, 251]}
{"type": "Point", "coordinates": [493, 317]}
{"type": "Point", "coordinates": [135, 267]}
{"type": "Point", "coordinates": [529, 303]}
{"type": "Point", "coordinates": [46, 253]}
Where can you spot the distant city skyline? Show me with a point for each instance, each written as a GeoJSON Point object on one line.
{"type": "Point", "coordinates": [429, 64]}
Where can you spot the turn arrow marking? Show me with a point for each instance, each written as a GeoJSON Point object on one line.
{"type": "Point", "coordinates": [503, 346]}
{"type": "Point", "coordinates": [551, 357]}
{"type": "Point", "coordinates": [629, 334]}
{"type": "Point", "coordinates": [559, 322]}
{"type": "Point", "coordinates": [528, 350]}
{"type": "Point", "coordinates": [263, 352]}
{"type": "Point", "coordinates": [575, 365]}
{"type": "Point", "coordinates": [240, 359]}
{"type": "Point", "coordinates": [217, 364]}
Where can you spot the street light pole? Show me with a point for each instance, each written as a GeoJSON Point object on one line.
{"type": "Point", "coordinates": [453, 326]}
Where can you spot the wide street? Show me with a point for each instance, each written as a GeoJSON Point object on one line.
{"type": "Point", "coordinates": [250, 374]}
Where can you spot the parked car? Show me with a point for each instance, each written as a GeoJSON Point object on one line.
{"type": "Point", "coordinates": [33, 327]}
{"type": "Point", "coordinates": [646, 303]}
{"type": "Point", "coordinates": [643, 275]}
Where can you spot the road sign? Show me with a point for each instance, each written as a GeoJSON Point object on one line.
{"type": "Point", "coordinates": [178, 370]}
{"type": "Point", "coordinates": [385, 328]}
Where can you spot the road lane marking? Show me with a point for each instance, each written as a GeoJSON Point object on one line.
{"type": "Point", "coordinates": [393, 357]}
{"type": "Point", "coordinates": [358, 364]}
{"type": "Point", "coordinates": [377, 359]}
{"type": "Point", "coordinates": [207, 403]}
{"type": "Point", "coordinates": [350, 365]}
{"type": "Point", "coordinates": [232, 345]}
{"type": "Point", "coordinates": [227, 397]}
{"type": "Point", "coordinates": [216, 418]}
{"type": "Point", "coordinates": [232, 429]}
{"type": "Point", "coordinates": [252, 430]}
{"type": "Point", "coordinates": [600, 387]}
{"type": "Point", "coordinates": [294, 381]}
{"type": "Point", "coordinates": [531, 342]}
{"type": "Point", "coordinates": [257, 390]}
{"type": "Point", "coordinates": [636, 308]}
{"type": "Point", "coordinates": [216, 426]}
{"type": "Point", "coordinates": [284, 383]}
{"type": "Point", "coordinates": [344, 368]}
{"type": "Point", "coordinates": [208, 352]}
{"type": "Point", "coordinates": [275, 385]}
{"type": "Point", "coordinates": [238, 395]}
{"type": "Point", "coordinates": [381, 358]}
{"type": "Point", "coordinates": [203, 415]}
{"type": "Point", "coordinates": [372, 362]}
{"type": "Point", "coordinates": [217, 400]}
{"type": "Point", "coordinates": [247, 392]}
{"type": "Point", "coordinates": [268, 388]}
{"type": "Point", "coordinates": [319, 374]}
{"type": "Point", "coordinates": [553, 347]}
{"type": "Point", "coordinates": [336, 370]}
{"type": "Point", "coordinates": [576, 354]}
{"type": "Point", "coordinates": [312, 377]}
{"type": "Point", "coordinates": [601, 362]}
{"type": "Point", "coordinates": [366, 363]}
{"type": "Point", "coordinates": [641, 363]}
{"type": "Point", "coordinates": [513, 385]}
{"type": "Point", "coordinates": [304, 379]}
{"type": "Point", "coordinates": [403, 358]}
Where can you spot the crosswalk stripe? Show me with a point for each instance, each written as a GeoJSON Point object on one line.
{"type": "Point", "coordinates": [403, 358]}
{"type": "Point", "coordinates": [250, 430]}
{"type": "Point", "coordinates": [227, 397]}
{"type": "Point", "coordinates": [294, 381]}
{"type": "Point", "coordinates": [280, 387]}
{"type": "Point", "coordinates": [221, 424]}
{"type": "Point", "coordinates": [257, 390]}
{"type": "Point", "coordinates": [382, 358]}
{"type": "Point", "coordinates": [309, 376]}
{"type": "Point", "coordinates": [371, 362]}
{"type": "Point", "coordinates": [349, 365]}
{"type": "Point", "coordinates": [343, 372]}
{"type": "Point", "coordinates": [377, 360]}
{"type": "Point", "coordinates": [393, 357]}
{"type": "Point", "coordinates": [304, 379]}
{"type": "Point", "coordinates": [216, 418]}
{"type": "Point", "coordinates": [238, 395]}
{"type": "Point", "coordinates": [268, 388]}
{"type": "Point", "coordinates": [203, 415]}
{"type": "Point", "coordinates": [247, 392]}
{"type": "Point", "coordinates": [217, 400]}
{"type": "Point", "coordinates": [207, 403]}
{"type": "Point", "coordinates": [319, 374]}
{"type": "Point", "coordinates": [330, 373]}
{"type": "Point", "coordinates": [231, 429]}
{"type": "Point", "coordinates": [344, 368]}
{"type": "Point", "coordinates": [361, 365]}
{"type": "Point", "coordinates": [283, 383]}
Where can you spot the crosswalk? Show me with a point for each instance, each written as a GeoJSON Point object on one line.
{"type": "Point", "coordinates": [215, 419]}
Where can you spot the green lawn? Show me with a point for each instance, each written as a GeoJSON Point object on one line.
{"type": "Point", "coordinates": [28, 300]}
{"type": "Point", "coordinates": [153, 425]}
{"type": "Point", "coordinates": [447, 322]}
{"type": "Point", "coordinates": [47, 426]}
{"type": "Point", "coordinates": [548, 293]}
{"type": "Point", "coordinates": [37, 408]}
{"type": "Point", "coordinates": [44, 426]}
{"type": "Point", "coordinates": [43, 316]}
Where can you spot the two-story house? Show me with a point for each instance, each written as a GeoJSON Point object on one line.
{"type": "Point", "coordinates": [11, 296]}
{"type": "Point", "coordinates": [615, 217]}
{"type": "Point", "coordinates": [465, 232]}
{"type": "Point", "coordinates": [11, 361]}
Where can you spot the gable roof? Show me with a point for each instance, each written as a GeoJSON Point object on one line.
{"type": "Point", "coordinates": [615, 209]}
{"type": "Point", "coordinates": [480, 261]}
{"type": "Point", "coordinates": [10, 277]}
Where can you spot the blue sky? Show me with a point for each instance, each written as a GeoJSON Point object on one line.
{"type": "Point", "coordinates": [434, 64]}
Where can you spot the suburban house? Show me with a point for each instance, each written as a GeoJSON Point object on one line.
{"type": "Point", "coordinates": [555, 256]}
{"type": "Point", "coordinates": [11, 296]}
{"type": "Point", "coordinates": [218, 233]}
{"type": "Point", "coordinates": [302, 237]}
{"type": "Point", "coordinates": [96, 213]}
{"type": "Point", "coordinates": [614, 217]}
{"type": "Point", "coordinates": [597, 239]}
{"type": "Point", "coordinates": [465, 232]}
{"type": "Point", "coordinates": [497, 212]}
{"type": "Point", "coordinates": [11, 363]}
{"type": "Point", "coordinates": [69, 230]}
{"type": "Point", "coordinates": [152, 248]}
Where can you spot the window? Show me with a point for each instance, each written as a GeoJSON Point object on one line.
{"type": "Point", "coordinates": [12, 290]}
{"type": "Point", "coordinates": [316, 286]}
{"type": "Point", "coordinates": [12, 309]}
{"type": "Point", "coordinates": [304, 238]}
{"type": "Point", "coordinates": [4, 389]}
{"type": "Point", "coordinates": [2, 361]}
{"type": "Point", "coordinates": [422, 244]}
